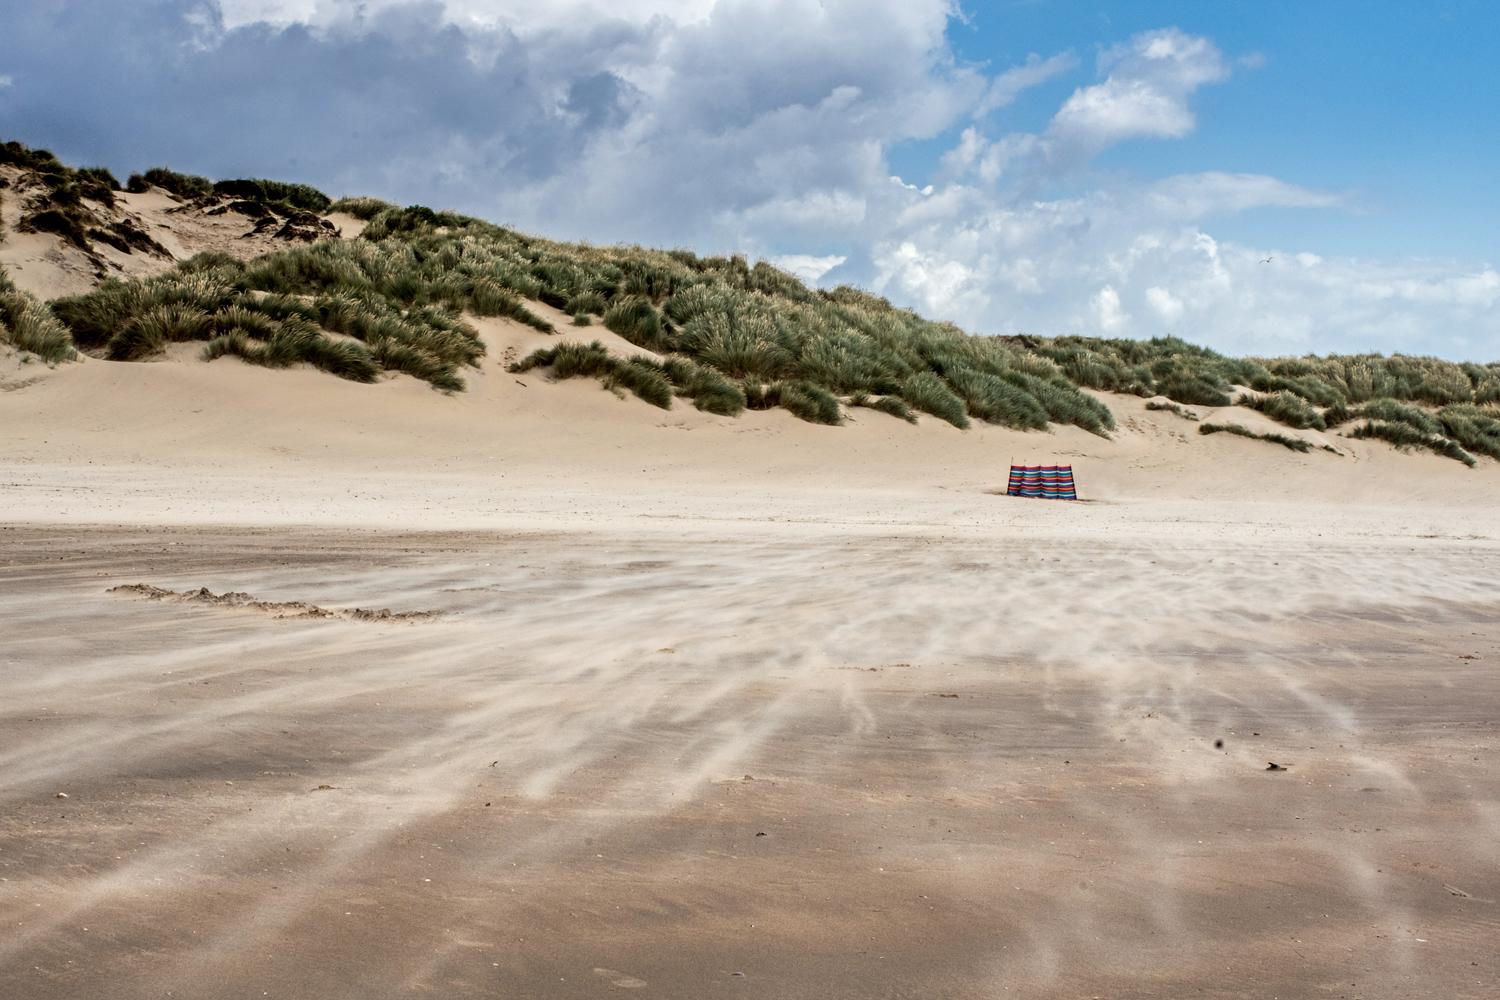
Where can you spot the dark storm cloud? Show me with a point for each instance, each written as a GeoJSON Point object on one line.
{"type": "Point", "coordinates": [781, 110]}
{"type": "Point", "coordinates": [400, 103]}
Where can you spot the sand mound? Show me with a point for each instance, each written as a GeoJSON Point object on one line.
{"type": "Point", "coordinates": [52, 253]}
{"type": "Point", "coordinates": [183, 442]}
{"type": "Point", "coordinates": [275, 609]}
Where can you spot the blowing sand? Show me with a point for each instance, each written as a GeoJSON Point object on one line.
{"type": "Point", "coordinates": [706, 707]}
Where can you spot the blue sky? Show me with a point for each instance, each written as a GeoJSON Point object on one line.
{"type": "Point", "coordinates": [1393, 103]}
{"type": "Point", "coordinates": [1266, 178]}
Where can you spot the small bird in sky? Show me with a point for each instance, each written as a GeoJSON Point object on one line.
{"type": "Point", "coordinates": [1267, 260]}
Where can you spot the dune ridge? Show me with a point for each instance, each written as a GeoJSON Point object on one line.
{"type": "Point", "coordinates": [402, 295]}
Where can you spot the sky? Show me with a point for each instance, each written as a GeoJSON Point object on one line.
{"type": "Point", "coordinates": [1265, 178]}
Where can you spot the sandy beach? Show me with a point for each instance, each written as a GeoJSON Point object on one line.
{"type": "Point", "coordinates": [712, 706]}
{"type": "Point", "coordinates": [563, 501]}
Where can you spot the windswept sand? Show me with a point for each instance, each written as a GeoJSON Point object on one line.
{"type": "Point", "coordinates": [716, 707]}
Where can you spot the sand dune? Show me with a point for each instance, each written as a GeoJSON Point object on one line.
{"type": "Point", "coordinates": [48, 266]}
{"type": "Point", "coordinates": [107, 442]}
{"type": "Point", "coordinates": [726, 705]}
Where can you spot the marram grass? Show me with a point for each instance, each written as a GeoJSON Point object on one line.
{"type": "Point", "coordinates": [1295, 444]}
{"type": "Point", "coordinates": [756, 335]}
{"type": "Point", "coordinates": [639, 375]}
{"type": "Point", "coordinates": [29, 325]}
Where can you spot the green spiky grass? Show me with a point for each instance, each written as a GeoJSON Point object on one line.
{"type": "Point", "coordinates": [638, 375]}
{"type": "Point", "coordinates": [765, 337]}
{"type": "Point", "coordinates": [709, 390]}
{"type": "Point", "coordinates": [1287, 408]}
{"type": "Point", "coordinates": [893, 405]}
{"type": "Point", "coordinates": [292, 344]}
{"type": "Point", "coordinates": [1295, 444]}
{"type": "Point", "coordinates": [1405, 435]}
{"type": "Point", "coordinates": [28, 325]}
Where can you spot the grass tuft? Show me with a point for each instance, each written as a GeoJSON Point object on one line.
{"type": "Point", "coordinates": [930, 394]}
{"type": "Point", "coordinates": [639, 375]}
{"type": "Point", "coordinates": [586, 303]}
{"type": "Point", "coordinates": [802, 399]}
{"type": "Point", "coordinates": [1337, 415]}
{"type": "Point", "coordinates": [1473, 428]}
{"type": "Point", "coordinates": [1286, 407]}
{"type": "Point", "coordinates": [1195, 389]}
{"type": "Point", "coordinates": [28, 325]}
{"type": "Point", "coordinates": [149, 332]}
{"type": "Point", "coordinates": [809, 402]}
{"type": "Point", "coordinates": [397, 355]}
{"type": "Point", "coordinates": [296, 344]}
{"type": "Point", "coordinates": [1170, 407]}
{"type": "Point", "coordinates": [188, 187]}
{"type": "Point", "coordinates": [893, 405]}
{"type": "Point", "coordinates": [1295, 444]}
{"type": "Point", "coordinates": [1405, 435]}
{"type": "Point", "coordinates": [295, 196]}
{"type": "Point", "coordinates": [636, 320]}
{"type": "Point", "coordinates": [709, 390]}
{"type": "Point", "coordinates": [1392, 412]}
{"type": "Point", "coordinates": [996, 400]}
{"type": "Point", "coordinates": [362, 208]}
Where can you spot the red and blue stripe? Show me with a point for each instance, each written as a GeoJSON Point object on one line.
{"type": "Point", "coordinates": [1048, 482]}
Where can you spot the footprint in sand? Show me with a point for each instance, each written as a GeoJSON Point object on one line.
{"type": "Point", "coordinates": [620, 979]}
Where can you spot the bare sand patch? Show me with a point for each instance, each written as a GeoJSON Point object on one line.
{"type": "Point", "coordinates": [544, 791]}
{"type": "Point", "coordinates": [994, 746]}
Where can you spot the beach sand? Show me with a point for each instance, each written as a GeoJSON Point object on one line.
{"type": "Point", "coordinates": [726, 707]}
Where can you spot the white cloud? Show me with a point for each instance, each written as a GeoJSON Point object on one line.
{"type": "Point", "coordinates": [1107, 311]}
{"type": "Point", "coordinates": [1007, 86]}
{"type": "Point", "coordinates": [940, 284]}
{"type": "Point", "coordinates": [736, 125]}
{"type": "Point", "coordinates": [519, 15]}
{"type": "Point", "coordinates": [1089, 260]}
{"type": "Point", "coordinates": [806, 266]}
{"type": "Point", "coordinates": [1193, 196]}
{"type": "Point", "coordinates": [815, 211]}
{"type": "Point", "coordinates": [1121, 109]}
{"type": "Point", "coordinates": [924, 190]}
{"type": "Point", "coordinates": [1480, 289]}
{"type": "Point", "coordinates": [1145, 93]}
{"type": "Point", "coordinates": [1166, 305]}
